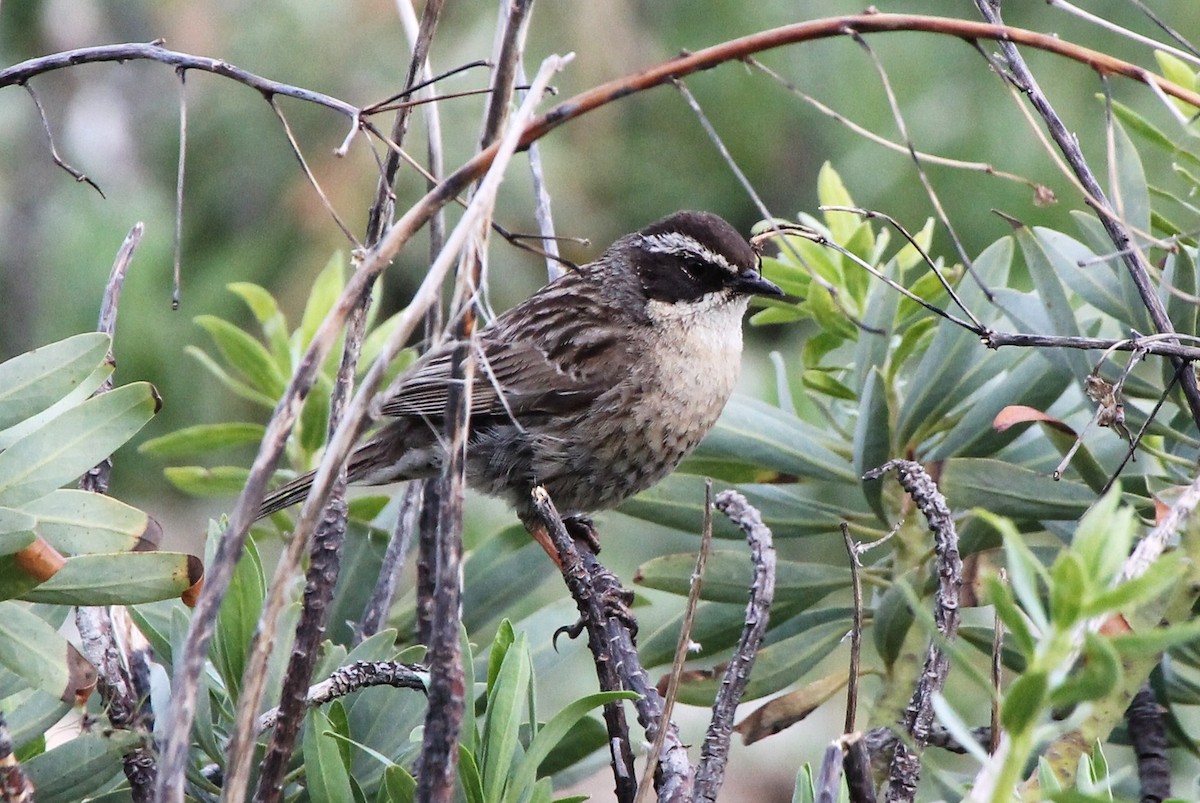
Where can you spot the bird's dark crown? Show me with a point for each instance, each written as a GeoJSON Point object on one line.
{"type": "Point", "coordinates": [688, 255]}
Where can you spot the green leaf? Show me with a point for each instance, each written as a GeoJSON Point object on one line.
{"type": "Point", "coordinates": [321, 298]}
{"type": "Point", "coordinates": [1177, 71]}
{"type": "Point", "coordinates": [789, 510]}
{"type": "Point", "coordinates": [505, 638]}
{"type": "Point", "coordinates": [755, 432]}
{"type": "Point", "coordinates": [728, 574]}
{"type": "Point", "coordinates": [126, 578]}
{"type": "Point", "coordinates": [832, 192]}
{"type": "Point", "coordinates": [398, 786]}
{"type": "Point", "coordinates": [245, 355]}
{"type": "Point", "coordinates": [199, 481]}
{"type": "Point", "coordinates": [954, 364]}
{"type": "Point", "coordinates": [79, 768]}
{"type": "Point", "coordinates": [29, 714]}
{"type": "Point", "coordinates": [266, 311]}
{"type": "Point", "coordinates": [777, 665]}
{"type": "Point", "coordinates": [1095, 281]}
{"type": "Point", "coordinates": [1104, 536]}
{"type": "Point", "coordinates": [1068, 587]}
{"type": "Point", "coordinates": [824, 383]}
{"type": "Point", "coordinates": [16, 530]}
{"type": "Point", "coordinates": [314, 415]}
{"type": "Point", "coordinates": [1000, 595]}
{"type": "Point", "coordinates": [1013, 491]}
{"type": "Point", "coordinates": [468, 776]}
{"type": "Point", "coordinates": [67, 446]}
{"type": "Point", "coordinates": [1046, 266]}
{"type": "Point", "coordinates": [1024, 701]}
{"type": "Point", "coordinates": [238, 615]}
{"type": "Point", "coordinates": [34, 652]}
{"type": "Point", "coordinates": [328, 778]}
{"type": "Point", "coordinates": [891, 622]}
{"type": "Point", "coordinates": [1157, 580]}
{"type": "Point", "coordinates": [235, 385]}
{"type": "Point", "coordinates": [552, 734]}
{"type": "Point", "coordinates": [1099, 674]}
{"type": "Point", "coordinates": [203, 438]}
{"type": "Point", "coordinates": [31, 382]}
{"type": "Point", "coordinates": [501, 746]}
{"type": "Point", "coordinates": [872, 439]}
{"type": "Point", "coordinates": [76, 522]}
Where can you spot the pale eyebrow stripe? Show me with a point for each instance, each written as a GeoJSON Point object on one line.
{"type": "Point", "coordinates": [675, 243]}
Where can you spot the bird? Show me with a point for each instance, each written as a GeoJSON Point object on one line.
{"type": "Point", "coordinates": [595, 387]}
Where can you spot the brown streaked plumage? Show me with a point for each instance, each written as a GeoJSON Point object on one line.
{"type": "Point", "coordinates": [596, 386]}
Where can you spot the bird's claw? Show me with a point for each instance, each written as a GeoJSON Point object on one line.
{"type": "Point", "coordinates": [571, 631]}
{"type": "Point", "coordinates": [582, 528]}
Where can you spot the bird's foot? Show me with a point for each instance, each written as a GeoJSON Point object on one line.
{"type": "Point", "coordinates": [583, 529]}
{"type": "Point", "coordinates": [616, 601]}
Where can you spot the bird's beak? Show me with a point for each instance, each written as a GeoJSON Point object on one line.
{"type": "Point", "coordinates": [751, 282]}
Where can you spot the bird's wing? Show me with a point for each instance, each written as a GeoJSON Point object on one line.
{"type": "Point", "coordinates": [553, 354]}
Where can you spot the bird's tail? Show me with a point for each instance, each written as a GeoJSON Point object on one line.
{"type": "Point", "coordinates": [286, 495]}
{"type": "Point", "coordinates": [369, 465]}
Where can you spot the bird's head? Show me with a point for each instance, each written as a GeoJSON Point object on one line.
{"type": "Point", "coordinates": [692, 257]}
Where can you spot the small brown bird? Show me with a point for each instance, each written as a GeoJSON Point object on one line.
{"type": "Point", "coordinates": [596, 387]}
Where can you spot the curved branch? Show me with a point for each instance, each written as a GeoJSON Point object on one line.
{"type": "Point", "coordinates": [153, 51]}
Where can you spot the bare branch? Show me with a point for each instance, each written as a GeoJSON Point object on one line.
{"type": "Point", "coordinates": [1068, 144]}
{"type": "Point", "coordinates": [354, 677]}
{"type": "Point", "coordinates": [918, 717]}
{"type": "Point", "coordinates": [180, 172]}
{"type": "Point", "coordinates": [1148, 733]}
{"type": "Point", "coordinates": [714, 753]}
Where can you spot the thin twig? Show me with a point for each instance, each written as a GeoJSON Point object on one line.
{"type": "Point", "coordinates": [997, 672]}
{"type": "Point", "coordinates": [190, 661]}
{"type": "Point", "coordinates": [418, 65]}
{"type": "Point", "coordinates": [180, 172]}
{"type": "Point", "coordinates": [58, 160]}
{"type": "Point", "coordinates": [380, 602]}
{"type": "Point", "coordinates": [934, 198]}
{"type": "Point", "coordinates": [541, 202]}
{"type": "Point", "coordinates": [1068, 144]}
{"type": "Point", "coordinates": [1109, 25]}
{"type": "Point", "coordinates": [1181, 40]}
{"type": "Point", "coordinates": [1141, 433]}
{"type": "Point", "coordinates": [312, 179]}
{"type": "Point", "coordinates": [907, 235]}
{"type": "Point", "coordinates": [855, 632]}
{"type": "Point", "coordinates": [683, 645]}
{"type": "Point", "coordinates": [866, 133]}
{"type": "Point", "coordinates": [714, 753]}
{"type": "Point", "coordinates": [775, 228]}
